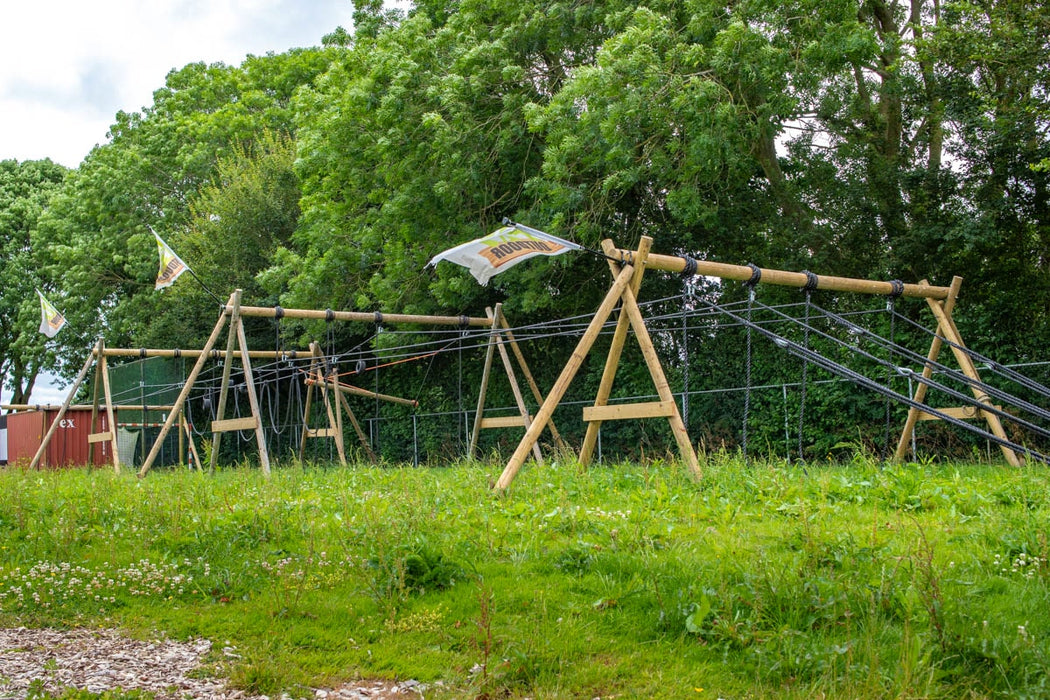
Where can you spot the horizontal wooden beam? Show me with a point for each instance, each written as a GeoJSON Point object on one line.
{"type": "Point", "coordinates": [231, 424]}
{"type": "Point", "coordinates": [960, 412]}
{"type": "Point", "coordinates": [100, 437]}
{"type": "Point", "coordinates": [79, 407]}
{"type": "Point", "coordinates": [362, 316]}
{"type": "Point", "coordinates": [320, 432]}
{"type": "Point", "coordinates": [504, 422]}
{"type": "Point", "coordinates": [743, 273]}
{"type": "Point", "coordinates": [625, 411]}
{"type": "Point", "coordinates": [194, 354]}
{"type": "Point", "coordinates": [358, 391]}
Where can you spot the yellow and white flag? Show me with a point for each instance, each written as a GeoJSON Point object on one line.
{"type": "Point", "coordinates": [503, 249]}
{"type": "Point", "coordinates": [51, 321]}
{"type": "Point", "coordinates": [171, 265]}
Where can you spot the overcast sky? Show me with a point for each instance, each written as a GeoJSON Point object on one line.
{"type": "Point", "coordinates": [67, 66]}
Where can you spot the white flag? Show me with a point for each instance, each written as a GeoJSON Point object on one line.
{"type": "Point", "coordinates": [51, 321]}
{"type": "Point", "coordinates": [503, 249]}
{"type": "Point", "coordinates": [171, 265]}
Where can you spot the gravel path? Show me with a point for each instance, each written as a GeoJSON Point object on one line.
{"type": "Point", "coordinates": [100, 660]}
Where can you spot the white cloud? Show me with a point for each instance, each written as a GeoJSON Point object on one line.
{"type": "Point", "coordinates": [67, 66]}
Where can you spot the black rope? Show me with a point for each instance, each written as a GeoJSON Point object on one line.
{"type": "Point", "coordinates": [933, 384]}
{"type": "Point", "coordinates": [805, 371]}
{"type": "Point", "coordinates": [890, 303]}
{"type": "Point", "coordinates": [747, 367]}
{"type": "Point", "coordinates": [690, 266]}
{"type": "Point", "coordinates": [756, 275]}
{"type": "Point", "coordinates": [896, 289]}
{"type": "Point", "coordinates": [811, 281]}
{"type": "Point", "coordinates": [859, 379]}
{"type": "Point", "coordinates": [991, 391]}
{"type": "Point", "coordinates": [991, 364]}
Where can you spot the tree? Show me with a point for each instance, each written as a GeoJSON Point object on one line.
{"type": "Point", "coordinates": [96, 236]}
{"type": "Point", "coordinates": [25, 189]}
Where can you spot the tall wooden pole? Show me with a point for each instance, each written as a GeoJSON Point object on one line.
{"type": "Point", "coordinates": [479, 414]}
{"type": "Point", "coordinates": [529, 379]}
{"type": "Point", "coordinates": [612, 361]}
{"type": "Point", "coordinates": [253, 399]}
{"type": "Point", "coordinates": [565, 378]}
{"type": "Point", "coordinates": [109, 413]}
{"type": "Point", "coordinates": [227, 366]}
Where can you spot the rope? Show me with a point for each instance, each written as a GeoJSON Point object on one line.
{"type": "Point", "coordinates": [859, 379]}
{"type": "Point", "coordinates": [931, 383]}
{"type": "Point", "coordinates": [747, 366]}
{"type": "Point", "coordinates": [805, 369]}
{"type": "Point", "coordinates": [898, 289]}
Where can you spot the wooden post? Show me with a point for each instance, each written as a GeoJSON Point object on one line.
{"type": "Point", "coordinates": [612, 361]}
{"type": "Point", "coordinates": [927, 372]}
{"type": "Point", "coordinates": [227, 365]}
{"type": "Point", "coordinates": [529, 379]}
{"type": "Point", "coordinates": [946, 330]}
{"type": "Point", "coordinates": [307, 404]}
{"type": "Point", "coordinates": [951, 333]}
{"type": "Point", "coordinates": [193, 447]}
{"type": "Point", "coordinates": [663, 389]}
{"type": "Point", "coordinates": [519, 400]}
{"type": "Point", "coordinates": [186, 388]}
{"type": "Point", "coordinates": [109, 413]}
{"type": "Point", "coordinates": [62, 411]}
{"type": "Point", "coordinates": [318, 368]}
{"type": "Point", "coordinates": [565, 378]}
{"type": "Point", "coordinates": [93, 427]}
{"type": "Point", "coordinates": [253, 398]}
{"type": "Point", "coordinates": [479, 414]}
{"type": "Point", "coordinates": [182, 438]}
{"type": "Point", "coordinates": [480, 421]}
{"type": "Point", "coordinates": [357, 429]}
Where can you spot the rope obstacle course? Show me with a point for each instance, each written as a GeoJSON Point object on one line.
{"type": "Point", "coordinates": [628, 268]}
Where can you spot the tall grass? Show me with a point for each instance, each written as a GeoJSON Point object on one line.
{"type": "Point", "coordinates": [762, 580]}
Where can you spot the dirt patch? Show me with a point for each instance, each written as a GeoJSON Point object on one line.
{"type": "Point", "coordinates": [100, 660]}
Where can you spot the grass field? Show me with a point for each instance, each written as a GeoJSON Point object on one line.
{"type": "Point", "coordinates": [761, 580]}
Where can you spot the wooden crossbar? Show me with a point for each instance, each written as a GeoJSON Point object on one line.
{"type": "Point", "coordinates": [626, 411]}
{"type": "Point", "coordinates": [961, 412]}
{"type": "Point", "coordinates": [232, 424]}
{"type": "Point", "coordinates": [504, 422]}
{"type": "Point", "coordinates": [100, 437]}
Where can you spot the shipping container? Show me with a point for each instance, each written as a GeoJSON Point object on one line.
{"type": "Point", "coordinates": [69, 444]}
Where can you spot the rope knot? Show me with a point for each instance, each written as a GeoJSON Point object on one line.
{"type": "Point", "coordinates": [756, 275]}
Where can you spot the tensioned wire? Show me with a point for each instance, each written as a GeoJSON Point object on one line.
{"type": "Point", "coordinates": [992, 365]}
{"type": "Point", "coordinates": [843, 371]}
{"type": "Point", "coordinates": [953, 374]}
{"type": "Point", "coordinates": [958, 395]}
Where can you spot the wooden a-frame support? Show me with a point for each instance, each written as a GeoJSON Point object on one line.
{"type": "Point", "coordinates": [947, 330]}
{"type": "Point", "coordinates": [98, 358]}
{"type": "Point", "coordinates": [230, 313]}
{"type": "Point", "coordinates": [500, 336]}
{"type": "Point", "coordinates": [627, 280]}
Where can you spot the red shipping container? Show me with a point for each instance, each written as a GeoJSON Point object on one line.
{"type": "Point", "coordinates": [69, 444]}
